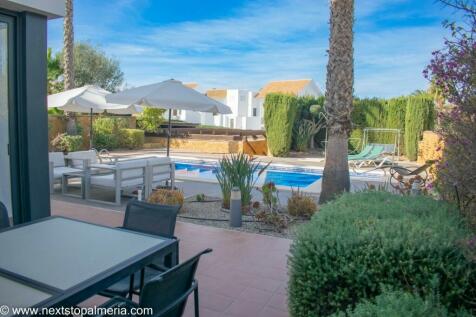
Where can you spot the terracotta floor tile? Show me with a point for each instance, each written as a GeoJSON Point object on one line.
{"type": "Point", "coordinates": [278, 302]}
{"type": "Point", "coordinates": [244, 308]}
{"type": "Point", "coordinates": [256, 295]}
{"type": "Point", "coordinates": [270, 312]}
{"type": "Point", "coordinates": [282, 289]}
{"type": "Point", "coordinates": [245, 275]}
{"type": "Point", "coordinates": [214, 301]}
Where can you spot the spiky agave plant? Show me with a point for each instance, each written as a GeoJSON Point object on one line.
{"type": "Point", "coordinates": [238, 170]}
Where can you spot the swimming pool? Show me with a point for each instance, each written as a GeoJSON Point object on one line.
{"type": "Point", "coordinates": [295, 177]}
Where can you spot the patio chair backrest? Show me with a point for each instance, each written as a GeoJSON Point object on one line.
{"type": "Point", "coordinates": [386, 148]}
{"type": "Point", "coordinates": [171, 288]}
{"type": "Point", "coordinates": [377, 150]}
{"type": "Point", "coordinates": [366, 150]}
{"type": "Point", "coordinates": [160, 165]}
{"type": "Point", "coordinates": [151, 218]}
{"type": "Point", "coordinates": [57, 158]}
{"type": "Point", "coordinates": [4, 220]}
{"type": "Point", "coordinates": [131, 168]}
{"type": "Point", "coordinates": [77, 158]}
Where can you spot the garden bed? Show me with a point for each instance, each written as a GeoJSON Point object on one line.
{"type": "Point", "coordinates": [210, 213]}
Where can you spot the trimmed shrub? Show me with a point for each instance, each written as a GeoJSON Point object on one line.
{"type": "Point", "coordinates": [399, 304]}
{"type": "Point", "coordinates": [419, 117]}
{"type": "Point", "coordinates": [395, 109]}
{"type": "Point", "coordinates": [106, 132]}
{"type": "Point", "coordinates": [364, 240]}
{"type": "Point", "coordinates": [131, 138]}
{"type": "Point", "coordinates": [279, 116]}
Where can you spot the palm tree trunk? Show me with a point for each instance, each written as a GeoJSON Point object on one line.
{"type": "Point", "coordinates": [338, 102]}
{"type": "Point", "coordinates": [68, 61]}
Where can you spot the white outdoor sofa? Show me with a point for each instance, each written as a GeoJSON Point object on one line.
{"type": "Point", "coordinates": [130, 175]}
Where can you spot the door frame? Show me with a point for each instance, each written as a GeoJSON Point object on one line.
{"type": "Point", "coordinates": [11, 20]}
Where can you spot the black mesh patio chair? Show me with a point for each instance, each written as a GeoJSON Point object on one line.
{"type": "Point", "coordinates": [166, 294]}
{"type": "Point", "coordinates": [4, 220]}
{"type": "Point", "coordinates": [151, 219]}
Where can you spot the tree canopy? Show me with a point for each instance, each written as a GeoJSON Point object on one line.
{"type": "Point", "coordinates": [91, 67]}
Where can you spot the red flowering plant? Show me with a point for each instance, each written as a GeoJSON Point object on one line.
{"type": "Point", "coordinates": [452, 72]}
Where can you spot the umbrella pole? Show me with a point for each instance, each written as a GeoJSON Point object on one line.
{"type": "Point", "coordinates": [169, 132]}
{"type": "Point", "coordinates": [91, 129]}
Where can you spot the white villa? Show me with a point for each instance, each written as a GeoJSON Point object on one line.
{"type": "Point", "coordinates": [246, 105]}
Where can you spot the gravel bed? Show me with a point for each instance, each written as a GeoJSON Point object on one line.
{"type": "Point", "coordinates": [212, 210]}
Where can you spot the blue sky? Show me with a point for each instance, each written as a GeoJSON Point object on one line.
{"type": "Point", "coordinates": [244, 44]}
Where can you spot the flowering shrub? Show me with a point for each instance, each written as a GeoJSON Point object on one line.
{"type": "Point", "coordinates": [452, 72]}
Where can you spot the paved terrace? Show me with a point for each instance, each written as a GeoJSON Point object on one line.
{"type": "Point", "coordinates": [244, 276]}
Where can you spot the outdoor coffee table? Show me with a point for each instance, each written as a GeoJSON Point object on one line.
{"type": "Point", "coordinates": [84, 176]}
{"type": "Point", "coordinates": [58, 261]}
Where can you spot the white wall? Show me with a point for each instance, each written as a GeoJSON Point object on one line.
{"type": "Point", "coordinates": [311, 89]}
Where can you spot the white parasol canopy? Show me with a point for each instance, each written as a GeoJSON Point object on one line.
{"type": "Point", "coordinates": [88, 99]}
{"type": "Point", "coordinates": [169, 94]}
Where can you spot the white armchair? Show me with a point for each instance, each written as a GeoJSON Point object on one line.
{"type": "Point", "coordinates": [57, 167]}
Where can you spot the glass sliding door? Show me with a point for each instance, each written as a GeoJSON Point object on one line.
{"type": "Point", "coordinates": [5, 178]}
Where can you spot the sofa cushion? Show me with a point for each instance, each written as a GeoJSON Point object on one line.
{"type": "Point", "coordinates": [131, 168]}
{"type": "Point", "coordinates": [57, 158]}
{"type": "Point", "coordinates": [108, 181]}
{"type": "Point", "coordinates": [60, 170]}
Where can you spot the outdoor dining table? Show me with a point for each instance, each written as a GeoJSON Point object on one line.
{"type": "Point", "coordinates": [58, 261]}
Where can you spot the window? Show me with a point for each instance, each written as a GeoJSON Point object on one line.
{"type": "Point", "coordinates": [255, 112]}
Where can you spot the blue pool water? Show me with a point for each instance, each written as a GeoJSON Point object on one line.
{"type": "Point", "coordinates": [291, 178]}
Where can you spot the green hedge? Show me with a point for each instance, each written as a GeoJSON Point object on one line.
{"type": "Point", "coordinates": [131, 138]}
{"type": "Point", "coordinates": [361, 241]}
{"type": "Point", "coordinates": [393, 113]}
{"type": "Point", "coordinates": [399, 304]}
{"type": "Point", "coordinates": [279, 116]}
{"type": "Point", "coordinates": [419, 117]}
{"type": "Point", "coordinates": [395, 118]}
{"type": "Point", "coordinates": [106, 132]}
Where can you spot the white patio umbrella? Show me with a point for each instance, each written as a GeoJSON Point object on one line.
{"type": "Point", "coordinates": [89, 99]}
{"type": "Point", "coordinates": [169, 94]}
